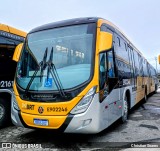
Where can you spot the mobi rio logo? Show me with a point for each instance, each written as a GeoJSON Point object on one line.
{"type": "Point", "coordinates": [40, 110]}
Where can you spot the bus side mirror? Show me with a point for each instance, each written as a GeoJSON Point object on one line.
{"type": "Point", "coordinates": [17, 52]}
{"type": "Point", "coordinates": [105, 41]}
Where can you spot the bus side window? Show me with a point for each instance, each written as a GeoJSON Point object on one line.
{"type": "Point", "coordinates": [111, 72]}
{"type": "Point", "coordinates": [112, 81]}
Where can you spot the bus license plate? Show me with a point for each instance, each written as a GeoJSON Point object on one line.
{"type": "Point", "coordinates": [41, 122]}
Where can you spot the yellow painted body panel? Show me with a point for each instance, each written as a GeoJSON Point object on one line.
{"type": "Point", "coordinates": [17, 52]}
{"type": "Point", "coordinates": [159, 59]}
{"type": "Point", "coordinates": [143, 84]}
{"type": "Point", "coordinates": [54, 121]}
{"type": "Point", "coordinates": [98, 43]}
{"type": "Point", "coordinates": [152, 85]}
{"type": "Point", "coordinates": [12, 30]}
{"type": "Point", "coordinates": [69, 104]}
{"type": "Point", "coordinates": [140, 91]}
{"type": "Point", "coordinates": [4, 27]}
{"type": "Point", "coordinates": [105, 45]}
{"type": "Point", "coordinates": [147, 83]}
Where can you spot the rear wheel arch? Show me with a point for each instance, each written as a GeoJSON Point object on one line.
{"type": "Point", "coordinates": [126, 106]}
{"type": "Point", "coordinates": [128, 95]}
{"type": "Point", "coordinates": [5, 108]}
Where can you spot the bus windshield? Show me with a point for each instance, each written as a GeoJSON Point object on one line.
{"type": "Point", "coordinates": [71, 49]}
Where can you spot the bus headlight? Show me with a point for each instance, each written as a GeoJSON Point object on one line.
{"type": "Point", "coordinates": [85, 102]}
{"type": "Point", "coordinates": [15, 104]}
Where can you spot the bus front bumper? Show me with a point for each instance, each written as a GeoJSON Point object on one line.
{"type": "Point", "coordinates": [87, 122]}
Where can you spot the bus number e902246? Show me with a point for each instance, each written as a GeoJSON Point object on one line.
{"type": "Point", "coordinates": [6, 84]}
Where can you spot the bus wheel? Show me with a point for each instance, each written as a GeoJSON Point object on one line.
{"type": "Point", "coordinates": [125, 110]}
{"type": "Point", "coordinates": [4, 112]}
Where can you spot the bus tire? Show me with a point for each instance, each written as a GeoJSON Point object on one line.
{"type": "Point", "coordinates": [5, 112]}
{"type": "Point", "coordinates": [124, 117]}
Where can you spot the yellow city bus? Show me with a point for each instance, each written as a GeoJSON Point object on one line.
{"type": "Point", "coordinates": [79, 76]}
{"type": "Point", "coordinates": [9, 39]}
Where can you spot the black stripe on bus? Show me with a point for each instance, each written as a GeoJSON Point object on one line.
{"type": "Point", "coordinates": [66, 123]}
{"type": "Point", "coordinates": [61, 129]}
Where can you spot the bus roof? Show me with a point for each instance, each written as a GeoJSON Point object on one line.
{"type": "Point", "coordinates": [83, 20]}
{"type": "Point", "coordinates": [12, 30]}
{"type": "Point", "coordinates": [67, 22]}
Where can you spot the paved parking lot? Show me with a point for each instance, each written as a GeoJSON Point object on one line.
{"type": "Point", "coordinates": [143, 126]}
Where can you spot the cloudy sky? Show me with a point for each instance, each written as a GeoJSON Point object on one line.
{"type": "Point", "coordinates": [138, 19]}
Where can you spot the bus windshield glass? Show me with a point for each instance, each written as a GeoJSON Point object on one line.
{"type": "Point", "coordinates": [68, 51]}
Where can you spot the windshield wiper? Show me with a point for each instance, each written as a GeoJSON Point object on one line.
{"type": "Point", "coordinates": [52, 69]}
{"type": "Point", "coordinates": [41, 65]}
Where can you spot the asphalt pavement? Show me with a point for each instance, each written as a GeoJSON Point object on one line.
{"type": "Point", "coordinates": [140, 132]}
